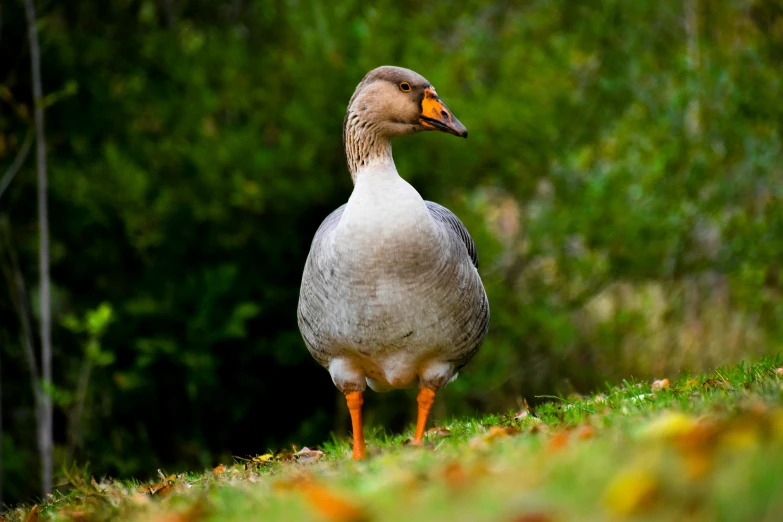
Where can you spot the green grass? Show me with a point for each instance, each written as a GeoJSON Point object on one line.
{"type": "Point", "coordinates": [704, 448]}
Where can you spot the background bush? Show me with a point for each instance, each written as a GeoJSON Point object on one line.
{"type": "Point", "coordinates": [622, 180]}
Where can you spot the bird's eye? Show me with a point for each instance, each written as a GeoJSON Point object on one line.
{"type": "Point", "coordinates": [405, 87]}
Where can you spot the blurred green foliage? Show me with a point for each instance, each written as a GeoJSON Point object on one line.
{"type": "Point", "coordinates": [622, 179]}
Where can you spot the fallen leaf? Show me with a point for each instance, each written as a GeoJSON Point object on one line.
{"type": "Point", "coordinates": [631, 491]}
{"type": "Point", "coordinates": [454, 475]}
{"type": "Point", "coordinates": [539, 427]}
{"type": "Point", "coordinates": [779, 371]}
{"type": "Point", "coordinates": [496, 432]}
{"type": "Point", "coordinates": [162, 489]}
{"type": "Point", "coordinates": [168, 489]}
{"type": "Point", "coordinates": [659, 385]}
{"type": "Point", "coordinates": [219, 470]}
{"type": "Point", "coordinates": [668, 424]}
{"type": "Point", "coordinates": [558, 441]}
{"type": "Point", "coordinates": [584, 432]}
{"type": "Point", "coordinates": [332, 505]}
{"type": "Point", "coordinates": [308, 456]}
{"type": "Point", "coordinates": [260, 460]}
{"type": "Point", "coordinates": [95, 484]}
{"type": "Point", "coordinates": [76, 515]}
{"type": "Point", "coordinates": [438, 432]}
{"type": "Point", "coordinates": [715, 383]}
{"type": "Point", "coordinates": [281, 456]}
{"type": "Point", "coordinates": [32, 516]}
{"type": "Point", "coordinates": [740, 435]}
{"type": "Point", "coordinates": [166, 479]}
{"type": "Point", "coordinates": [532, 517]}
{"type": "Point", "coordinates": [525, 412]}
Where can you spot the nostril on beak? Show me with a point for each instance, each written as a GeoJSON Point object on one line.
{"type": "Point", "coordinates": [444, 113]}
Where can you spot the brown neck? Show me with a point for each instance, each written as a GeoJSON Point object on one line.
{"type": "Point", "coordinates": [363, 143]}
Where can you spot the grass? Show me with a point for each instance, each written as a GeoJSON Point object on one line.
{"type": "Point", "coordinates": [708, 447]}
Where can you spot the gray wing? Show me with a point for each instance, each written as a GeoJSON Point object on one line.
{"type": "Point", "coordinates": [311, 299]}
{"type": "Point", "coordinates": [451, 221]}
{"type": "Point", "coordinates": [329, 223]}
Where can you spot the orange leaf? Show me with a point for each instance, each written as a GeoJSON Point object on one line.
{"type": "Point", "coordinates": [584, 432]}
{"type": "Point", "coordinates": [455, 475]}
{"type": "Point", "coordinates": [496, 432]}
{"type": "Point", "coordinates": [558, 441]}
{"type": "Point", "coordinates": [32, 516]}
{"type": "Point", "coordinates": [779, 371]}
{"type": "Point", "coordinates": [332, 506]}
{"type": "Point", "coordinates": [660, 385]}
{"type": "Point", "coordinates": [219, 470]}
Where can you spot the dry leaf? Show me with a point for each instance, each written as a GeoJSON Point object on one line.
{"type": "Point", "coordinates": [496, 432]}
{"type": "Point", "coordinates": [454, 475]}
{"type": "Point", "coordinates": [558, 441]}
{"type": "Point", "coordinates": [524, 412]}
{"type": "Point", "coordinates": [331, 505]}
{"type": "Point", "coordinates": [779, 371]}
{"type": "Point", "coordinates": [659, 385]}
{"type": "Point", "coordinates": [166, 479]}
{"type": "Point", "coordinates": [219, 470]}
{"type": "Point", "coordinates": [584, 432]}
{"type": "Point", "coordinates": [533, 517]}
{"type": "Point", "coordinates": [32, 516]}
{"type": "Point", "coordinates": [308, 456]}
{"type": "Point", "coordinates": [631, 491]}
{"type": "Point", "coordinates": [438, 432]}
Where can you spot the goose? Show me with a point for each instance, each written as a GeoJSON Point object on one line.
{"type": "Point", "coordinates": [391, 295]}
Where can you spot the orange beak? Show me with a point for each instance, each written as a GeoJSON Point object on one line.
{"type": "Point", "coordinates": [436, 116]}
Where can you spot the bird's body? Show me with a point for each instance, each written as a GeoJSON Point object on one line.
{"type": "Point", "coordinates": [390, 293]}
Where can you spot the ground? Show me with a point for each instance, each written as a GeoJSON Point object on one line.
{"type": "Point", "coordinates": [707, 447]}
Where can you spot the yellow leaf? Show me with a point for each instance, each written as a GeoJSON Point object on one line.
{"type": "Point", "coordinates": [667, 425]}
{"type": "Point", "coordinates": [631, 491]}
{"type": "Point", "coordinates": [741, 435]}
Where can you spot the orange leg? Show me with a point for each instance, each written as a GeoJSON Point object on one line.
{"type": "Point", "coordinates": [355, 401]}
{"type": "Point", "coordinates": [425, 399]}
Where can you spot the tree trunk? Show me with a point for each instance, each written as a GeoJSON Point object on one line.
{"type": "Point", "coordinates": [45, 425]}
{"type": "Point", "coordinates": [1, 426]}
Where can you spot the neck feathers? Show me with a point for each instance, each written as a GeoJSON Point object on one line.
{"type": "Point", "coordinates": [364, 144]}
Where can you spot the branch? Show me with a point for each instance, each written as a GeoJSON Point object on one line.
{"type": "Point", "coordinates": [45, 422]}
{"type": "Point", "coordinates": [18, 294]}
{"type": "Point", "coordinates": [17, 164]}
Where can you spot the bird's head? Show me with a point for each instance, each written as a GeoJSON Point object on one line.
{"type": "Point", "coordinates": [399, 101]}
